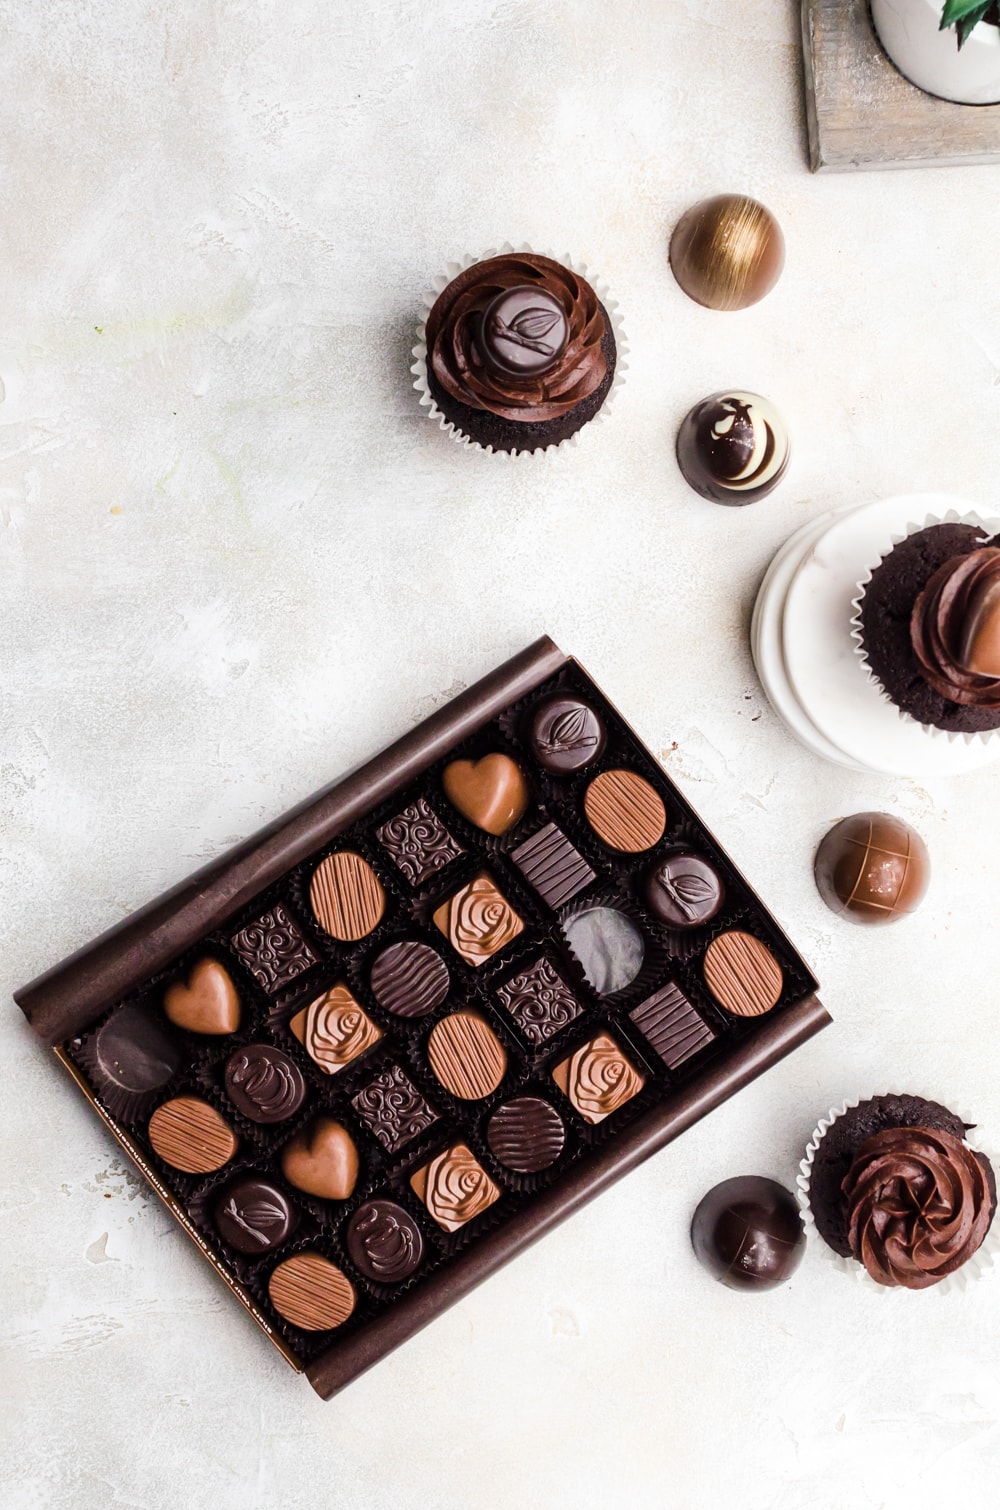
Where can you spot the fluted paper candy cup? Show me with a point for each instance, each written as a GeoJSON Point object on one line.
{"type": "Point", "coordinates": [989, 527]}
{"type": "Point", "coordinates": [419, 367]}
{"type": "Point", "coordinates": [982, 1261]}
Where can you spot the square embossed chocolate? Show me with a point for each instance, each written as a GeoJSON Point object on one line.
{"type": "Point", "coordinates": [478, 921]}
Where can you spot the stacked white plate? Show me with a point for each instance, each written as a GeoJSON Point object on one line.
{"type": "Point", "coordinates": [802, 647]}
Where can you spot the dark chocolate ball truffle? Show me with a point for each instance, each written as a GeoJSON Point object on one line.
{"type": "Point", "coordinates": [872, 868]}
{"type": "Point", "coordinates": [733, 447]}
{"type": "Point", "coordinates": [727, 252]}
{"type": "Point", "coordinates": [747, 1232]}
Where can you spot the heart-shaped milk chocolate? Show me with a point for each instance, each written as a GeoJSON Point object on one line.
{"type": "Point", "coordinates": [322, 1160]}
{"type": "Point", "coordinates": [492, 792]}
{"type": "Point", "coordinates": [206, 1003]}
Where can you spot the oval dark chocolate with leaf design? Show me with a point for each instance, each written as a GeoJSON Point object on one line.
{"type": "Point", "coordinates": [684, 890]}
{"type": "Point", "coordinates": [523, 332]}
{"type": "Point", "coordinates": [565, 734]}
{"type": "Point", "coordinates": [254, 1216]}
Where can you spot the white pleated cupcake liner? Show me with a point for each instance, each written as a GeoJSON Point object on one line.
{"type": "Point", "coordinates": [990, 527]}
{"type": "Point", "coordinates": [982, 1262]}
{"type": "Point", "coordinates": [419, 365]}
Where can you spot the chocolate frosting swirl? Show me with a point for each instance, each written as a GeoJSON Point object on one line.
{"type": "Point", "coordinates": [457, 361]}
{"type": "Point", "coordinates": [918, 1204]}
{"type": "Point", "coordinates": [954, 618]}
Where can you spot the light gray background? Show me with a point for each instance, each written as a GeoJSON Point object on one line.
{"type": "Point", "coordinates": [237, 559]}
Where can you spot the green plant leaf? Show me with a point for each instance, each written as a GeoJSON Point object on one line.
{"type": "Point", "coordinates": [958, 10]}
{"type": "Point", "coordinates": [965, 16]}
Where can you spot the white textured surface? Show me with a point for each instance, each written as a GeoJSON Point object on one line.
{"type": "Point", "coordinates": [237, 559]}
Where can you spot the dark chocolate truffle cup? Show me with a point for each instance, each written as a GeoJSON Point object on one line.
{"type": "Point", "coordinates": [491, 432]}
{"type": "Point", "coordinates": [831, 1151]}
{"type": "Point", "coordinates": [880, 626]}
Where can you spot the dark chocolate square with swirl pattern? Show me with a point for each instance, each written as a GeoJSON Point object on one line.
{"type": "Point", "coordinates": [539, 1001]}
{"type": "Point", "coordinates": [418, 842]}
{"type": "Point", "coordinates": [393, 1109]}
{"type": "Point", "coordinates": [273, 949]}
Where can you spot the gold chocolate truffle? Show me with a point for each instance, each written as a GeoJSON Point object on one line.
{"type": "Point", "coordinates": [727, 252]}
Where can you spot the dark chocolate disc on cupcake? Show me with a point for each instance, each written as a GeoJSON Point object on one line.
{"type": "Point", "coordinates": [520, 352]}
{"type": "Point", "coordinates": [929, 627]}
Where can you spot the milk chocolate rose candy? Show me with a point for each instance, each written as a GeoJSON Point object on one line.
{"type": "Point", "coordinates": [478, 921]}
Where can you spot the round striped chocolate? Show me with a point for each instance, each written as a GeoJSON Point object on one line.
{"type": "Point", "coordinates": [311, 1292]}
{"type": "Point", "coordinates": [346, 896]}
{"type": "Point", "coordinates": [742, 974]}
{"type": "Point", "coordinates": [466, 1055]}
{"type": "Point", "coordinates": [624, 810]}
{"type": "Point", "coordinates": [410, 979]}
{"type": "Point", "coordinates": [526, 1135]}
{"type": "Point", "coordinates": [190, 1135]}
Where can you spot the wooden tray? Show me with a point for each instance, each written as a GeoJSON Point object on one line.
{"type": "Point", "coordinates": [862, 113]}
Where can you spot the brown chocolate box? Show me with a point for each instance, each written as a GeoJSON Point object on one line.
{"type": "Point", "coordinates": [69, 999]}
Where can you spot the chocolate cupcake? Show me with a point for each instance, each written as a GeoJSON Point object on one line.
{"type": "Point", "coordinates": [892, 1185]}
{"type": "Point", "coordinates": [927, 625]}
{"type": "Point", "coordinates": [518, 352]}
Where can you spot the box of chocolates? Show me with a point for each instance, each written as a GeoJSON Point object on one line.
{"type": "Point", "coordinates": [372, 1053]}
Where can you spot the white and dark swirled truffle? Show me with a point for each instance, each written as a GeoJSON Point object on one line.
{"type": "Point", "coordinates": [733, 447]}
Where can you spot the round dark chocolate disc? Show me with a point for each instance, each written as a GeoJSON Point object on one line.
{"type": "Point", "coordinates": [526, 1134]}
{"type": "Point", "coordinates": [565, 734]}
{"type": "Point", "coordinates": [747, 1232]}
{"type": "Point", "coordinates": [523, 332]}
{"type": "Point", "coordinates": [253, 1216]}
{"type": "Point", "coordinates": [608, 946]}
{"type": "Point", "coordinates": [384, 1242]}
{"type": "Point", "coordinates": [131, 1058]}
{"type": "Point", "coordinates": [684, 890]}
{"type": "Point", "coordinates": [410, 979]}
{"type": "Point", "coordinates": [263, 1083]}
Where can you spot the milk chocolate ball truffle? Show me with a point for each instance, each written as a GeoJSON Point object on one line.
{"type": "Point", "coordinates": [727, 252]}
{"type": "Point", "coordinates": [733, 447]}
{"type": "Point", "coordinates": [747, 1232]}
{"type": "Point", "coordinates": [872, 868]}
